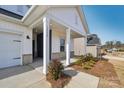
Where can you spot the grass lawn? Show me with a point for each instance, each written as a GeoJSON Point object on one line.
{"type": "Point", "coordinates": [104, 70]}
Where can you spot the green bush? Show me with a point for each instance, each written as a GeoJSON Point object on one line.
{"type": "Point", "coordinates": [87, 61]}
{"type": "Point", "coordinates": [91, 63]}
{"type": "Point", "coordinates": [55, 69]}
{"type": "Point", "coordinates": [80, 60]}
{"type": "Point", "coordinates": [88, 57]}
{"type": "Point", "coordinates": [95, 59]}
{"type": "Point", "coordinates": [87, 66]}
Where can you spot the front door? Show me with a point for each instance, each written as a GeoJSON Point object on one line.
{"type": "Point", "coordinates": [40, 45]}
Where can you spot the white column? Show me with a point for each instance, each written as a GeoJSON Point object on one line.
{"type": "Point", "coordinates": [45, 44]}
{"type": "Point", "coordinates": [68, 46]}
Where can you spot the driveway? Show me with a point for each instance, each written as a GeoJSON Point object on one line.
{"type": "Point", "coordinates": [119, 68]}
{"type": "Point", "coordinates": [23, 76]}
{"type": "Point", "coordinates": [118, 64]}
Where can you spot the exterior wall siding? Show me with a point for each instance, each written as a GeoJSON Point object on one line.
{"type": "Point", "coordinates": [56, 36]}
{"type": "Point", "coordinates": [9, 27]}
{"type": "Point", "coordinates": [92, 50]}
{"type": "Point", "coordinates": [79, 46]}
{"type": "Point", "coordinates": [69, 16]}
{"type": "Point", "coordinates": [55, 42]}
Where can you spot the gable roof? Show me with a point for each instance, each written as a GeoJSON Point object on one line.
{"type": "Point", "coordinates": [34, 9]}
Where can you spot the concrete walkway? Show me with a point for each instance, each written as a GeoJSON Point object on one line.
{"type": "Point", "coordinates": [81, 79]}
{"type": "Point", "coordinates": [23, 76]}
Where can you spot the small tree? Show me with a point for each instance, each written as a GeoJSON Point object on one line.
{"type": "Point", "coordinates": [55, 69]}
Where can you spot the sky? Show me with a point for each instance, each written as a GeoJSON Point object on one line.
{"type": "Point", "coordinates": [105, 21]}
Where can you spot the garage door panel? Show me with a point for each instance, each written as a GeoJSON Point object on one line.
{"type": "Point", "coordinates": [10, 50]}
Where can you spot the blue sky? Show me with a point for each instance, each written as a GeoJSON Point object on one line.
{"type": "Point", "coordinates": [106, 21]}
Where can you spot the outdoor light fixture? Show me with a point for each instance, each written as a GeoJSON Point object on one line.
{"type": "Point", "coordinates": [27, 37]}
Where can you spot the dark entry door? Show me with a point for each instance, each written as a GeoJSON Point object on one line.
{"type": "Point", "coordinates": [40, 45]}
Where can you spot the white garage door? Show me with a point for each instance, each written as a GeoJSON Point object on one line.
{"type": "Point", "coordinates": [10, 50]}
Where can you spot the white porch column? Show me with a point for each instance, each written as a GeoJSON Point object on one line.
{"type": "Point", "coordinates": [68, 46]}
{"type": "Point", "coordinates": [45, 44]}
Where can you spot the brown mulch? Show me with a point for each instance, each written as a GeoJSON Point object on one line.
{"type": "Point", "coordinates": [106, 72]}
{"type": "Point", "coordinates": [61, 82]}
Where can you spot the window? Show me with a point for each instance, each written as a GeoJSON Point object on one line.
{"type": "Point", "coordinates": [20, 8]}
{"type": "Point", "coordinates": [62, 45]}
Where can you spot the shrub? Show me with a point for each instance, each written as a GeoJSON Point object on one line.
{"type": "Point", "coordinates": [95, 59]}
{"type": "Point", "coordinates": [91, 63]}
{"type": "Point", "coordinates": [80, 61]}
{"type": "Point", "coordinates": [55, 69]}
{"type": "Point", "coordinates": [87, 66]}
{"type": "Point", "coordinates": [88, 57]}
{"type": "Point", "coordinates": [87, 61]}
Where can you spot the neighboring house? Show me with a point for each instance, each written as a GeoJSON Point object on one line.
{"type": "Point", "coordinates": [89, 44]}
{"type": "Point", "coordinates": [93, 45]}
{"type": "Point", "coordinates": [44, 31]}
{"type": "Point", "coordinates": [80, 45]}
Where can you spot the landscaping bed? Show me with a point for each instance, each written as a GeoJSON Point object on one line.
{"type": "Point", "coordinates": [61, 82]}
{"type": "Point", "coordinates": [55, 75]}
{"type": "Point", "coordinates": [102, 69]}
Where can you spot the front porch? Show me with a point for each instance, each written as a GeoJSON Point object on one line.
{"type": "Point", "coordinates": [48, 35]}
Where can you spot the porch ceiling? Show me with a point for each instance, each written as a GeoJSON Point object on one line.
{"type": "Point", "coordinates": [62, 29]}
{"type": "Point", "coordinates": [57, 27]}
